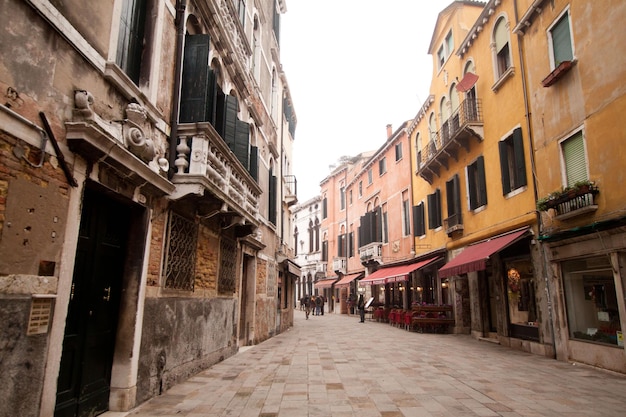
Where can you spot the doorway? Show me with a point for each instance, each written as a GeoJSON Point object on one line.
{"type": "Point", "coordinates": [88, 345]}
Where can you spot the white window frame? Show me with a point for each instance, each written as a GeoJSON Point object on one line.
{"type": "Point", "coordinates": [562, 157]}
{"type": "Point", "coordinates": [571, 37]}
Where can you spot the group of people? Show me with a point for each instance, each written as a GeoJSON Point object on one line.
{"type": "Point", "coordinates": [313, 303]}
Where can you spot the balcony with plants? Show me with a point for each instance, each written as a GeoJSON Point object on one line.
{"type": "Point", "coordinates": [571, 201]}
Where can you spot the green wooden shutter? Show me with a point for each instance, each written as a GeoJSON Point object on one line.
{"type": "Point", "coordinates": [378, 224]}
{"type": "Point", "coordinates": [272, 199]}
{"type": "Point", "coordinates": [575, 161]}
{"type": "Point", "coordinates": [230, 120]}
{"type": "Point", "coordinates": [482, 181]}
{"type": "Point", "coordinates": [562, 41]}
{"type": "Point", "coordinates": [431, 211]}
{"type": "Point", "coordinates": [418, 220]}
{"type": "Point", "coordinates": [241, 146]}
{"type": "Point", "coordinates": [324, 208]}
{"type": "Point", "coordinates": [504, 167]}
{"type": "Point", "coordinates": [254, 162]}
{"type": "Point", "coordinates": [520, 163]}
{"type": "Point", "coordinates": [197, 80]}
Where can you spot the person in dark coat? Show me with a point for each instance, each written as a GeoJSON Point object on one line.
{"type": "Point", "coordinates": [361, 307]}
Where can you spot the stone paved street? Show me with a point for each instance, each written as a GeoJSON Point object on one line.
{"type": "Point", "coordinates": [332, 365]}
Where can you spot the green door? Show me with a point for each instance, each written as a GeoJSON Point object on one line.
{"type": "Point", "coordinates": [88, 345]}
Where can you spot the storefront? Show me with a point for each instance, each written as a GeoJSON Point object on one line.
{"type": "Point", "coordinates": [588, 274]}
{"type": "Point", "coordinates": [346, 291]}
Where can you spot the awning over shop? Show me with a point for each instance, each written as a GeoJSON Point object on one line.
{"type": "Point", "coordinates": [467, 82]}
{"type": "Point", "coordinates": [394, 273]}
{"type": "Point", "coordinates": [325, 283]}
{"type": "Point", "coordinates": [347, 279]}
{"type": "Point", "coordinates": [474, 257]}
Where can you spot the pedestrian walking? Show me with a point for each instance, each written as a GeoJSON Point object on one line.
{"type": "Point", "coordinates": [322, 304]}
{"type": "Point", "coordinates": [361, 307]}
{"type": "Point", "coordinates": [318, 305]}
{"type": "Point", "coordinates": [307, 306]}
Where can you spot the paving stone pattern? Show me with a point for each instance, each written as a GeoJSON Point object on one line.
{"type": "Point", "coordinates": [334, 366]}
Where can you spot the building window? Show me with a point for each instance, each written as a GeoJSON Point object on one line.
{"type": "Point", "coordinates": [560, 42]}
{"type": "Point", "coordinates": [241, 12]}
{"type": "Point", "coordinates": [370, 175]}
{"type": "Point", "coordinates": [434, 209]}
{"type": "Point", "coordinates": [228, 266]}
{"type": "Point", "coordinates": [453, 199]}
{"type": "Point", "coordinates": [342, 198]}
{"type": "Point", "coordinates": [476, 183]}
{"type": "Point", "coordinates": [398, 151]}
{"type": "Point", "coordinates": [341, 246]}
{"type": "Point", "coordinates": [445, 50]}
{"type": "Point", "coordinates": [131, 38]}
{"type": "Point", "coordinates": [350, 196]}
{"type": "Point", "coordinates": [350, 244]}
{"type": "Point", "coordinates": [574, 159]}
{"type": "Point", "coordinates": [360, 188]}
{"type": "Point", "coordinates": [295, 242]}
{"type": "Point", "coordinates": [512, 165]}
{"type": "Point", "coordinates": [382, 166]}
{"type": "Point", "coordinates": [180, 263]}
{"type": "Point", "coordinates": [271, 195]}
{"type": "Point", "coordinates": [311, 235]}
{"type": "Point", "coordinates": [406, 214]}
{"type": "Point", "coordinates": [441, 57]}
{"type": "Point", "coordinates": [591, 300]}
{"type": "Point", "coordinates": [325, 251]}
{"type": "Point", "coordinates": [385, 223]}
{"type": "Point", "coordinates": [317, 235]}
{"type": "Point", "coordinates": [419, 227]}
{"type": "Point", "coordinates": [502, 50]}
{"type": "Point", "coordinates": [370, 229]}
{"type": "Point", "coordinates": [324, 208]}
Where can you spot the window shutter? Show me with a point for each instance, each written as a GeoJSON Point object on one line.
{"type": "Point", "coordinates": [504, 167]}
{"type": "Point", "coordinates": [230, 120]}
{"type": "Point", "coordinates": [418, 220]}
{"type": "Point", "coordinates": [431, 211]}
{"type": "Point", "coordinates": [482, 183]}
{"type": "Point", "coordinates": [385, 229]}
{"type": "Point", "coordinates": [241, 147]}
{"type": "Point", "coordinates": [196, 83]}
{"type": "Point", "coordinates": [272, 199]}
{"type": "Point", "coordinates": [254, 162]}
{"type": "Point", "coordinates": [562, 41]}
{"type": "Point", "coordinates": [520, 163]}
{"type": "Point", "coordinates": [378, 225]}
{"type": "Point", "coordinates": [575, 161]}
{"type": "Point", "coordinates": [324, 208]}
{"type": "Point", "coordinates": [351, 244]}
{"type": "Point", "coordinates": [501, 35]}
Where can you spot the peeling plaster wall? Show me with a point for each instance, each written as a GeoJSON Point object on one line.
{"type": "Point", "coordinates": [181, 338]}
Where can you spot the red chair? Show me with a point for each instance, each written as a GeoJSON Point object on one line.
{"type": "Point", "coordinates": [408, 316]}
{"type": "Point", "coordinates": [392, 317]}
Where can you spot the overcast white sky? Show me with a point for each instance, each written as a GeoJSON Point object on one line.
{"type": "Point", "coordinates": [353, 66]}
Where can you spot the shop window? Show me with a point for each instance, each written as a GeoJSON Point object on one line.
{"type": "Point", "coordinates": [591, 300]}
{"type": "Point", "coordinates": [520, 286]}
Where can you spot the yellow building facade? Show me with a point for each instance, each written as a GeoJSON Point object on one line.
{"type": "Point", "coordinates": [472, 178]}
{"type": "Point", "coordinates": [575, 79]}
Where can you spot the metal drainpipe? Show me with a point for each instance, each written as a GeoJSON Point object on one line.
{"type": "Point", "coordinates": [181, 6]}
{"type": "Point", "coordinates": [533, 165]}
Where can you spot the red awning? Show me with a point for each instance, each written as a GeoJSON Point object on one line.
{"type": "Point", "coordinates": [394, 273]}
{"type": "Point", "coordinates": [347, 279]}
{"type": "Point", "coordinates": [474, 257]}
{"type": "Point", "coordinates": [325, 283]}
{"type": "Point", "coordinates": [467, 82]}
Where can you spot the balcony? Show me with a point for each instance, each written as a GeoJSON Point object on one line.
{"type": "Point", "coordinates": [465, 124]}
{"type": "Point", "coordinates": [572, 202]}
{"type": "Point", "coordinates": [208, 169]}
{"type": "Point", "coordinates": [340, 265]}
{"type": "Point", "coordinates": [290, 190]}
{"type": "Point", "coordinates": [453, 224]}
{"type": "Point", "coordinates": [321, 267]}
{"type": "Point", "coordinates": [370, 253]}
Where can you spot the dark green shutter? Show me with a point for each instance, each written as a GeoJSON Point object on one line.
{"type": "Point", "coordinates": [378, 224]}
{"type": "Point", "coordinates": [230, 120]}
{"type": "Point", "coordinates": [324, 208]}
{"type": "Point", "coordinates": [482, 182]}
{"type": "Point", "coordinates": [254, 162]}
{"type": "Point", "coordinates": [418, 220]}
{"type": "Point", "coordinates": [197, 80]}
{"type": "Point", "coordinates": [241, 146]}
{"type": "Point", "coordinates": [575, 161]}
{"type": "Point", "coordinates": [504, 167]}
{"type": "Point", "coordinates": [351, 244]}
{"type": "Point", "coordinates": [520, 163]}
{"type": "Point", "coordinates": [272, 199]}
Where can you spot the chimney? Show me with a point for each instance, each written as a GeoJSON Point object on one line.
{"type": "Point", "coordinates": [389, 131]}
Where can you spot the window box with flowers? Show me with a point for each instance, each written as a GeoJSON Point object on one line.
{"type": "Point", "coordinates": [571, 201]}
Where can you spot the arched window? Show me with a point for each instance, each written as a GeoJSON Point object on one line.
{"type": "Point", "coordinates": [501, 49]}
{"type": "Point", "coordinates": [311, 236]}
{"type": "Point", "coordinates": [317, 235]}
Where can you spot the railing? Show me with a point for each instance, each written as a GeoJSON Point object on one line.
{"type": "Point", "coordinates": [321, 266]}
{"type": "Point", "coordinates": [371, 252]}
{"type": "Point", "coordinates": [575, 203]}
{"type": "Point", "coordinates": [204, 161]}
{"type": "Point", "coordinates": [453, 223]}
{"type": "Point", "coordinates": [339, 264]}
{"type": "Point", "coordinates": [469, 112]}
{"type": "Point", "coordinates": [290, 190]}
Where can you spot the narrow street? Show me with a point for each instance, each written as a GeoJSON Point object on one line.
{"type": "Point", "coordinates": [332, 365]}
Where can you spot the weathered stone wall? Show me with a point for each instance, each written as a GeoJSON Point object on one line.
{"type": "Point", "coordinates": [22, 359]}
{"type": "Point", "coordinates": [182, 337]}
